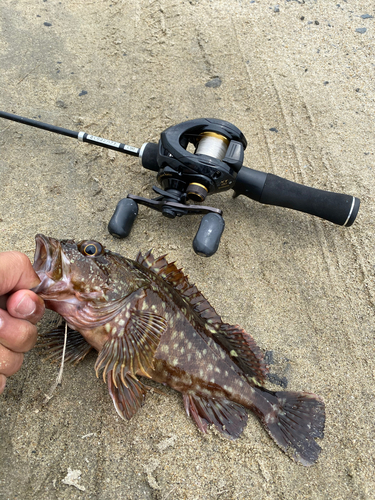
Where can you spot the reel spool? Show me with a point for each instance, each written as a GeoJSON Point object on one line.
{"type": "Point", "coordinates": [210, 144]}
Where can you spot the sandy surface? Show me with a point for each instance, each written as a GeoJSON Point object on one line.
{"type": "Point", "coordinates": [303, 287]}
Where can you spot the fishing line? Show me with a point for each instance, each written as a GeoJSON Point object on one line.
{"type": "Point", "coordinates": [59, 376]}
{"type": "Point", "coordinates": [212, 144]}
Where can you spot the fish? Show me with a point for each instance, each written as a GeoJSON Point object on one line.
{"type": "Point", "coordinates": [147, 321]}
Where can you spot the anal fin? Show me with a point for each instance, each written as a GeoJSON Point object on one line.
{"type": "Point", "coordinates": [229, 418]}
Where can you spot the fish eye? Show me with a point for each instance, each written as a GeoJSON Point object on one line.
{"type": "Point", "coordinates": [90, 248]}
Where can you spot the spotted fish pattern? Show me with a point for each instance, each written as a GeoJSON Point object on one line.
{"type": "Point", "coordinates": [146, 319]}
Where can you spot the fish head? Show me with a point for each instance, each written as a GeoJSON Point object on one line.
{"type": "Point", "coordinates": [82, 281]}
{"type": "Point", "coordinates": [68, 268]}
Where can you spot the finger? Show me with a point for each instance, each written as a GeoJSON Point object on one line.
{"type": "Point", "coordinates": [10, 362]}
{"type": "Point", "coordinates": [25, 304]}
{"type": "Point", "coordinates": [16, 272]}
{"type": "Point", "coordinates": [3, 381]}
{"type": "Point", "coordinates": [18, 335]}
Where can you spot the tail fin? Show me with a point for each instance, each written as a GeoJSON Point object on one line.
{"type": "Point", "coordinates": [296, 419]}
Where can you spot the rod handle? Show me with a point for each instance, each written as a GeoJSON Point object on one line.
{"type": "Point", "coordinates": [269, 189]}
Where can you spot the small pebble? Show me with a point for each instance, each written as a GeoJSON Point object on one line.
{"type": "Point", "coordinates": [214, 82]}
{"type": "Point", "coordinates": [276, 8]}
{"type": "Point", "coordinates": [367, 16]}
{"type": "Point", "coordinates": [361, 30]}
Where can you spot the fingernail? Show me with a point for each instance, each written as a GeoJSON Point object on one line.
{"type": "Point", "coordinates": [26, 306]}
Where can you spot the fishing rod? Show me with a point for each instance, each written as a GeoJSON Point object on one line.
{"type": "Point", "coordinates": [216, 165]}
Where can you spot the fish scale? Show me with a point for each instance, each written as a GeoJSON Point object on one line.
{"type": "Point", "coordinates": [146, 320]}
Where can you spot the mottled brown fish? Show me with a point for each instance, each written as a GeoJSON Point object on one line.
{"type": "Point", "coordinates": [146, 319]}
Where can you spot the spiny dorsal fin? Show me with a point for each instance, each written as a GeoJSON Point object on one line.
{"type": "Point", "coordinates": [160, 266]}
{"type": "Point", "coordinates": [176, 277]}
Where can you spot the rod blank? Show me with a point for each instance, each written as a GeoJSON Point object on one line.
{"type": "Point", "coordinates": [82, 136]}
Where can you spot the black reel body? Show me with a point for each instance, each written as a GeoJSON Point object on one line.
{"type": "Point", "coordinates": [216, 165]}
{"type": "Point", "coordinates": [213, 167]}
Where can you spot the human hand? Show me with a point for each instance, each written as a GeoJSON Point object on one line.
{"type": "Point", "coordinates": [20, 310]}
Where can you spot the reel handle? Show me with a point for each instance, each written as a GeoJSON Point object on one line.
{"type": "Point", "coordinates": [270, 189]}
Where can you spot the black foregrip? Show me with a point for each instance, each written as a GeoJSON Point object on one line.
{"type": "Point", "coordinates": [150, 156]}
{"type": "Point", "coordinates": [270, 189]}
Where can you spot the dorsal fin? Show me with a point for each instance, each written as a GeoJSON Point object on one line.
{"type": "Point", "coordinates": [243, 350]}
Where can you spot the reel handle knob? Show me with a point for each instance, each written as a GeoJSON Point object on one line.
{"type": "Point", "coordinates": [207, 239]}
{"type": "Point", "coordinates": [123, 218]}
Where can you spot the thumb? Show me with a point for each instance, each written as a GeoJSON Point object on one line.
{"type": "Point", "coordinates": [16, 272]}
{"type": "Point", "coordinates": [25, 304]}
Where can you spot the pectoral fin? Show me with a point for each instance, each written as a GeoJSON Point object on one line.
{"type": "Point", "coordinates": [132, 348]}
{"type": "Point", "coordinates": [53, 344]}
{"type": "Point", "coordinates": [130, 351]}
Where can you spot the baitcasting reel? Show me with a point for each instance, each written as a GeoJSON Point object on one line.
{"type": "Point", "coordinates": [216, 165]}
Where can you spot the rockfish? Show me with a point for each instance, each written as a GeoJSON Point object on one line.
{"type": "Point", "coordinates": [146, 319]}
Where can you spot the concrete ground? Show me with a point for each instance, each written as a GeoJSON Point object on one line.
{"type": "Point", "coordinates": [298, 79]}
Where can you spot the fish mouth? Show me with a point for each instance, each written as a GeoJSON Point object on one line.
{"type": "Point", "coordinates": [47, 261]}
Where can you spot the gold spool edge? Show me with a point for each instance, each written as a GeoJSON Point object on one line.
{"type": "Point", "coordinates": [216, 136]}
